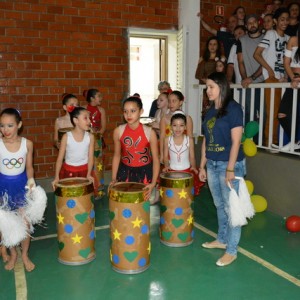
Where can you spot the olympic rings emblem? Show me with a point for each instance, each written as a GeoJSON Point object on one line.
{"type": "Point", "coordinates": [13, 163]}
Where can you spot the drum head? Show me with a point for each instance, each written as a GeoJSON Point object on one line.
{"type": "Point", "coordinates": [176, 175]}
{"type": "Point", "coordinates": [127, 192]}
{"type": "Point", "coordinates": [74, 187]}
{"type": "Point", "coordinates": [179, 180]}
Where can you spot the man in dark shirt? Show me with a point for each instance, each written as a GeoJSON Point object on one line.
{"type": "Point", "coordinates": [225, 37]}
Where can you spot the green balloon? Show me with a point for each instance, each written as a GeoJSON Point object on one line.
{"type": "Point", "coordinates": [251, 129]}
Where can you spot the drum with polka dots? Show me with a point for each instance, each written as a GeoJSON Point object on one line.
{"type": "Point", "coordinates": [129, 215]}
{"type": "Point", "coordinates": [176, 210]}
{"type": "Point", "coordinates": [75, 221]}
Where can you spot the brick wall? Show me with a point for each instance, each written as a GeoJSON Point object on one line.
{"type": "Point", "coordinates": [49, 47]}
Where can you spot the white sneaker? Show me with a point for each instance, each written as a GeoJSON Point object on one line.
{"type": "Point", "coordinates": [288, 146]}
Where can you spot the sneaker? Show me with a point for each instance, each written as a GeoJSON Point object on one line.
{"type": "Point", "coordinates": [288, 146]}
{"type": "Point", "coordinates": [275, 146]}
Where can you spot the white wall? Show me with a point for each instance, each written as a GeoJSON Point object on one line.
{"type": "Point", "coordinates": [188, 19]}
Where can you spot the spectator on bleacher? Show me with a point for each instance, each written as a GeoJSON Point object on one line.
{"type": "Point", "coordinates": [225, 37]}
{"type": "Point", "coordinates": [268, 22]}
{"type": "Point", "coordinates": [277, 4]}
{"type": "Point", "coordinates": [294, 9]}
{"type": "Point", "coordinates": [207, 63]}
{"type": "Point", "coordinates": [163, 87]}
{"type": "Point", "coordinates": [269, 54]}
{"type": "Point", "coordinates": [292, 67]}
{"type": "Point", "coordinates": [232, 72]}
{"type": "Point", "coordinates": [221, 65]}
{"type": "Point", "coordinates": [240, 13]}
{"type": "Point", "coordinates": [249, 68]}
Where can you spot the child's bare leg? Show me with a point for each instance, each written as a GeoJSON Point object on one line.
{"type": "Point", "coordinates": [5, 256]}
{"type": "Point", "coordinates": [28, 264]}
{"type": "Point", "coordinates": [12, 259]}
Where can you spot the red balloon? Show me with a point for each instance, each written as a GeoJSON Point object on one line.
{"type": "Point", "coordinates": [293, 223]}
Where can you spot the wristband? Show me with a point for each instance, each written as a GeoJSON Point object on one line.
{"type": "Point", "coordinates": [228, 170]}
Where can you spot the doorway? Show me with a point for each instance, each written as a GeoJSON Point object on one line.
{"type": "Point", "coordinates": [148, 66]}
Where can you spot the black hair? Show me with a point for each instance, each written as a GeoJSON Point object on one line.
{"type": "Point", "coordinates": [178, 116]}
{"type": "Point", "coordinates": [66, 97]}
{"type": "Point", "coordinates": [240, 27]}
{"type": "Point", "coordinates": [220, 79]}
{"type": "Point", "coordinates": [12, 112]}
{"type": "Point", "coordinates": [75, 113]}
{"type": "Point", "coordinates": [178, 94]}
{"type": "Point", "coordinates": [136, 95]}
{"type": "Point", "coordinates": [206, 54]}
{"type": "Point", "coordinates": [134, 99]}
{"type": "Point", "coordinates": [91, 93]}
{"type": "Point", "coordinates": [279, 11]}
{"type": "Point", "coordinates": [237, 8]}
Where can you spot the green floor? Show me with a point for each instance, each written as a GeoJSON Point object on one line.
{"type": "Point", "coordinates": [269, 270]}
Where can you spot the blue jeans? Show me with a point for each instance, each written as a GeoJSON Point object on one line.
{"type": "Point", "coordinates": [216, 172]}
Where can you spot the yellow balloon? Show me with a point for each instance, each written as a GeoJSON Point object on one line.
{"type": "Point", "coordinates": [249, 147]}
{"type": "Point", "coordinates": [259, 202]}
{"type": "Point", "coordinates": [250, 186]}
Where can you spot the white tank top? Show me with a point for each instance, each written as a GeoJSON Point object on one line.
{"type": "Point", "coordinates": [77, 153]}
{"type": "Point", "coordinates": [179, 154]}
{"type": "Point", "coordinates": [13, 163]}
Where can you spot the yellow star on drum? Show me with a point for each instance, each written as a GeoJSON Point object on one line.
{"type": "Point", "coordinates": [60, 219]}
{"type": "Point", "coordinates": [137, 222]}
{"type": "Point", "coordinates": [77, 239]}
{"type": "Point", "coordinates": [149, 248]}
{"type": "Point", "coordinates": [161, 192]}
{"type": "Point", "coordinates": [99, 167]}
{"type": "Point", "coordinates": [190, 220]}
{"type": "Point", "coordinates": [182, 194]}
{"type": "Point", "coordinates": [117, 235]}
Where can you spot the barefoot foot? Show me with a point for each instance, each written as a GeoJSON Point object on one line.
{"type": "Point", "coordinates": [11, 262]}
{"type": "Point", "coordinates": [28, 264]}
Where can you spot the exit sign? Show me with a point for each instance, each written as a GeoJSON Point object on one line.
{"type": "Point", "coordinates": [219, 10]}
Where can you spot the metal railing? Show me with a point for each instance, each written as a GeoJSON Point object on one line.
{"type": "Point", "coordinates": [252, 100]}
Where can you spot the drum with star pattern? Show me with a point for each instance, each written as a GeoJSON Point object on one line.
{"type": "Point", "coordinates": [75, 221]}
{"type": "Point", "coordinates": [129, 215]}
{"type": "Point", "coordinates": [176, 210]}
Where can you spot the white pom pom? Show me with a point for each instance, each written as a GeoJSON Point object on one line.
{"type": "Point", "coordinates": [36, 205]}
{"type": "Point", "coordinates": [246, 204]}
{"type": "Point", "coordinates": [236, 215]}
{"type": "Point", "coordinates": [13, 228]}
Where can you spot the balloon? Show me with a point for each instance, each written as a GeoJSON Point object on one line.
{"type": "Point", "coordinates": [251, 129]}
{"type": "Point", "coordinates": [293, 223]}
{"type": "Point", "coordinates": [243, 137]}
{"type": "Point", "coordinates": [249, 147]}
{"type": "Point", "coordinates": [259, 202]}
{"type": "Point", "coordinates": [250, 186]}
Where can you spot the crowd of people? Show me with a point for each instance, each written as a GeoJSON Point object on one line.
{"type": "Point", "coordinates": [259, 49]}
{"type": "Point", "coordinates": [254, 51]}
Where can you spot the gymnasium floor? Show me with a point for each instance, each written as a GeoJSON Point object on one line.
{"type": "Point", "coordinates": [268, 264]}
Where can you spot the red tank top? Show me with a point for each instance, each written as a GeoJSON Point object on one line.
{"type": "Point", "coordinates": [95, 116]}
{"type": "Point", "coordinates": [135, 147]}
